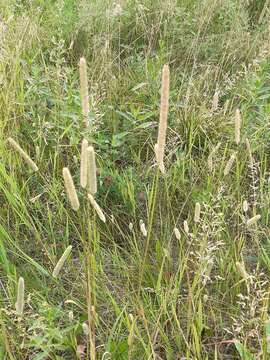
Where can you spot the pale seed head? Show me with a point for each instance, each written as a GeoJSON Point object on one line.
{"type": "Point", "coordinates": [84, 163]}
{"type": "Point", "coordinates": [92, 171]}
{"type": "Point", "coordinates": [70, 189]}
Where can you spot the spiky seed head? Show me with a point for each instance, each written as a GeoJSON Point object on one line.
{"type": "Point", "coordinates": [92, 171]}
{"type": "Point", "coordinates": [20, 297]}
{"type": "Point", "coordinates": [237, 126]}
{"type": "Point", "coordinates": [70, 316]}
{"type": "Point", "coordinates": [229, 165]}
{"type": "Point", "coordinates": [61, 261]}
{"type": "Point", "coordinates": [164, 109]}
{"type": "Point", "coordinates": [85, 328]}
{"type": "Point", "coordinates": [245, 206]}
{"type": "Point", "coordinates": [143, 228]}
{"type": "Point", "coordinates": [215, 101]}
{"type": "Point", "coordinates": [97, 208]}
{"type": "Point", "coordinates": [253, 220]}
{"type": "Point", "coordinates": [22, 153]}
{"type": "Point", "coordinates": [186, 227]}
{"type": "Point", "coordinates": [242, 270]}
{"type": "Point", "coordinates": [197, 213]}
{"type": "Point", "coordinates": [84, 163]}
{"type": "Point", "coordinates": [70, 189]}
{"type": "Point", "coordinates": [177, 233]}
{"type": "Point", "coordinates": [84, 90]}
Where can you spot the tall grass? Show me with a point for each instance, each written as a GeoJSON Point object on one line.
{"type": "Point", "coordinates": [163, 267]}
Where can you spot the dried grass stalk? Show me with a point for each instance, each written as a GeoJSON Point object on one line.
{"type": "Point", "coordinates": [92, 171]}
{"type": "Point", "coordinates": [97, 208]}
{"type": "Point", "coordinates": [23, 154]}
{"type": "Point", "coordinates": [61, 262]}
{"type": "Point", "coordinates": [164, 108]}
{"type": "Point", "coordinates": [84, 91]}
{"type": "Point", "coordinates": [70, 189]}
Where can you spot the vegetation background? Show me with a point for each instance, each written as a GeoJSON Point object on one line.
{"type": "Point", "coordinates": [201, 295]}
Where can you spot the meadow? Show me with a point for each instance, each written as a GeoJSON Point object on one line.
{"type": "Point", "coordinates": [134, 179]}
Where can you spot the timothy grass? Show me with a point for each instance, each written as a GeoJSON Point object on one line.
{"type": "Point", "coordinates": [171, 265]}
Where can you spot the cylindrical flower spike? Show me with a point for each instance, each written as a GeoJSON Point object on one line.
{"type": "Point", "coordinates": [164, 108]}
{"type": "Point", "coordinates": [229, 165]}
{"type": "Point", "coordinates": [70, 189]}
{"type": "Point", "coordinates": [97, 208]}
{"type": "Point", "coordinates": [92, 171]}
{"type": "Point", "coordinates": [197, 212]}
{"type": "Point", "coordinates": [253, 220]}
{"type": "Point", "coordinates": [23, 154]}
{"type": "Point", "coordinates": [186, 227]}
{"type": "Point", "coordinates": [242, 270]}
{"type": "Point", "coordinates": [177, 233]}
{"type": "Point", "coordinates": [143, 228]}
{"type": "Point", "coordinates": [237, 126]}
{"type": "Point", "coordinates": [84, 163]}
{"type": "Point", "coordinates": [245, 206]}
{"type": "Point", "coordinates": [20, 297]}
{"type": "Point", "coordinates": [61, 261]}
{"type": "Point", "coordinates": [215, 101]}
{"type": "Point", "coordinates": [84, 91]}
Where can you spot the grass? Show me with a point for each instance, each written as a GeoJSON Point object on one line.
{"type": "Point", "coordinates": [130, 288]}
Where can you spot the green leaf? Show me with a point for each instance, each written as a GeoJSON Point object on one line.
{"type": "Point", "coordinates": [243, 352]}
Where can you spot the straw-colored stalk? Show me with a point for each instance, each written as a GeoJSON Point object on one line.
{"type": "Point", "coordinates": [143, 228]}
{"type": "Point", "coordinates": [92, 171]}
{"type": "Point", "coordinates": [84, 161]}
{"type": "Point", "coordinates": [164, 108]}
{"type": "Point", "coordinates": [177, 233]}
{"type": "Point", "coordinates": [70, 189]}
{"type": "Point", "coordinates": [253, 220]}
{"type": "Point", "coordinates": [20, 297]}
{"type": "Point", "coordinates": [97, 208]}
{"type": "Point", "coordinates": [84, 91]}
{"type": "Point", "coordinates": [211, 156]}
{"type": "Point", "coordinates": [237, 126]}
{"type": "Point", "coordinates": [61, 261]}
{"type": "Point", "coordinates": [197, 213]}
{"type": "Point", "coordinates": [229, 165]}
{"type": "Point", "coordinates": [186, 227]}
{"type": "Point", "coordinates": [22, 153]}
